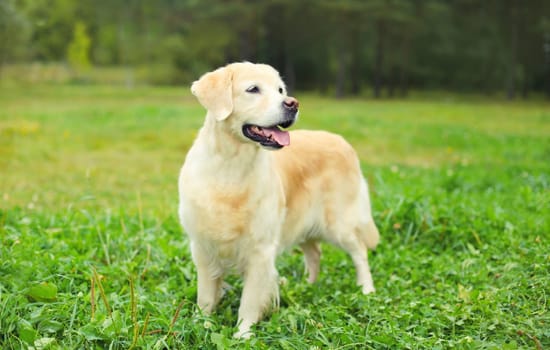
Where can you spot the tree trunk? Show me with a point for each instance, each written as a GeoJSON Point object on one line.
{"type": "Point", "coordinates": [341, 74]}
{"type": "Point", "coordinates": [525, 88]}
{"type": "Point", "coordinates": [378, 59]}
{"type": "Point", "coordinates": [392, 82]}
{"type": "Point", "coordinates": [355, 79]}
{"type": "Point", "coordinates": [355, 64]}
{"type": "Point", "coordinates": [403, 83]}
{"type": "Point", "coordinates": [2, 59]}
{"type": "Point", "coordinates": [512, 64]}
{"type": "Point", "coordinates": [324, 78]}
{"type": "Point", "coordinates": [245, 46]}
{"type": "Point", "coordinates": [290, 74]}
{"type": "Point", "coordinates": [403, 68]}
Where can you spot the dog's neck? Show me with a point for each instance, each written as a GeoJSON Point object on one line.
{"type": "Point", "coordinates": [228, 150]}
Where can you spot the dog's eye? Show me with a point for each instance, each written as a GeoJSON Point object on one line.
{"type": "Point", "coordinates": [253, 89]}
{"type": "Point", "coordinates": [280, 90]}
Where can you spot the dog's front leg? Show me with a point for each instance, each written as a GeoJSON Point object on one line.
{"type": "Point", "coordinates": [209, 282]}
{"type": "Point", "coordinates": [260, 288]}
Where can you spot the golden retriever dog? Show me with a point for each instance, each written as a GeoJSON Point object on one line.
{"type": "Point", "coordinates": [249, 189]}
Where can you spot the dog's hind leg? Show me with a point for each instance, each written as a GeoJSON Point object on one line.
{"type": "Point", "coordinates": [312, 257]}
{"type": "Point", "coordinates": [355, 247]}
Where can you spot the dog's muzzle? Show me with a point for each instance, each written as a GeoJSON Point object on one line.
{"type": "Point", "coordinates": [272, 136]}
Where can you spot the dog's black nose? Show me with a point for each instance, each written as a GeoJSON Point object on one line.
{"type": "Point", "coordinates": [291, 103]}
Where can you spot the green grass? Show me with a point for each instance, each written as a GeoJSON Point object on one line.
{"type": "Point", "coordinates": [92, 255]}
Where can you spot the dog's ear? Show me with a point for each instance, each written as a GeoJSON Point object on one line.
{"type": "Point", "coordinates": [215, 93]}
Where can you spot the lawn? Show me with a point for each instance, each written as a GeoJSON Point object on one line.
{"type": "Point", "coordinates": [92, 255]}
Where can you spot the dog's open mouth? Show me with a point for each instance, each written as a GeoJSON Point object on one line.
{"type": "Point", "coordinates": [272, 136]}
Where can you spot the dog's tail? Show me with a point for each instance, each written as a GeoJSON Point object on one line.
{"type": "Point", "coordinates": [368, 232]}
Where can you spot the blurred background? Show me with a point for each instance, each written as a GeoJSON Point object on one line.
{"type": "Point", "coordinates": [447, 104]}
{"type": "Point", "coordinates": [375, 48]}
{"type": "Point", "coordinates": [92, 90]}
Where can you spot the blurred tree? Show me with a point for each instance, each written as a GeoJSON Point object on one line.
{"type": "Point", "coordinates": [339, 47]}
{"type": "Point", "coordinates": [396, 24]}
{"type": "Point", "coordinates": [52, 26]}
{"type": "Point", "coordinates": [543, 79]}
{"type": "Point", "coordinates": [531, 43]}
{"type": "Point", "coordinates": [14, 30]}
{"type": "Point", "coordinates": [346, 21]}
{"type": "Point", "coordinates": [78, 52]}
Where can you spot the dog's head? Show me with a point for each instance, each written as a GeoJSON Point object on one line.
{"type": "Point", "coordinates": [251, 100]}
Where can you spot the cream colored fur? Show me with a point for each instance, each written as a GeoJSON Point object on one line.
{"type": "Point", "coordinates": [242, 205]}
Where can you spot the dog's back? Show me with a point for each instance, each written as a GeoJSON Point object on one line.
{"type": "Point", "coordinates": [326, 194]}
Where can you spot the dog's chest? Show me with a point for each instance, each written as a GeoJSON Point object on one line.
{"type": "Point", "coordinates": [223, 200]}
{"type": "Point", "coordinates": [217, 213]}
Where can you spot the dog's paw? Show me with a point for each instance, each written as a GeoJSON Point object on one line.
{"type": "Point", "coordinates": [368, 289]}
{"type": "Point", "coordinates": [243, 334]}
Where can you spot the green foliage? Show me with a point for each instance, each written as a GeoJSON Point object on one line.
{"type": "Point", "coordinates": [340, 46]}
{"type": "Point", "coordinates": [78, 51]}
{"type": "Point", "coordinates": [92, 254]}
{"type": "Point", "coordinates": [14, 30]}
{"type": "Point", "coordinates": [52, 23]}
{"type": "Point", "coordinates": [43, 292]}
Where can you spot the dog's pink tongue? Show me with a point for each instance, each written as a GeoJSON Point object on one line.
{"type": "Point", "coordinates": [280, 136]}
